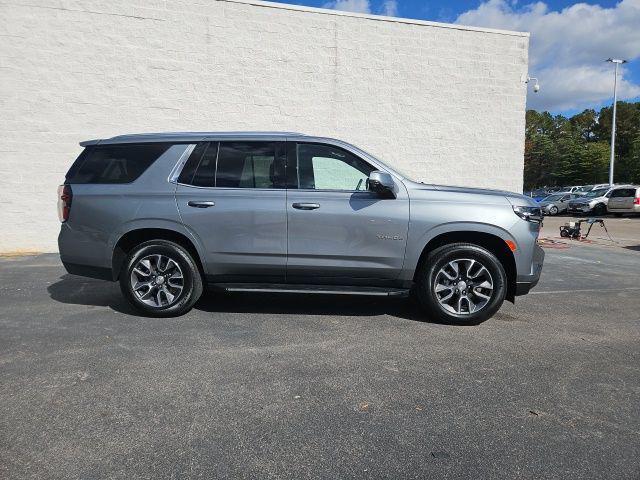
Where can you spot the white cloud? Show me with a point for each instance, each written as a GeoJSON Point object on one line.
{"type": "Point", "coordinates": [390, 8]}
{"type": "Point", "coordinates": [568, 48]}
{"type": "Point", "coordinates": [357, 6]}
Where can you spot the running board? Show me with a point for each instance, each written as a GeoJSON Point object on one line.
{"type": "Point", "coordinates": [321, 289]}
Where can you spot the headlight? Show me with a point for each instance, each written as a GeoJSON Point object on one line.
{"type": "Point", "coordinates": [530, 214]}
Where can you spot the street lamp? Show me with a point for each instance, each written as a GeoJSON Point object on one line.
{"type": "Point", "coordinates": [617, 62]}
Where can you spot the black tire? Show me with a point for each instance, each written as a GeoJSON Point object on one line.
{"type": "Point", "coordinates": [600, 209]}
{"type": "Point", "coordinates": [553, 210]}
{"type": "Point", "coordinates": [564, 233]}
{"type": "Point", "coordinates": [192, 280]}
{"type": "Point", "coordinates": [438, 258]}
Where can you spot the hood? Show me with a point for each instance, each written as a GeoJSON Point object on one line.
{"type": "Point", "coordinates": [584, 200]}
{"type": "Point", "coordinates": [478, 195]}
{"type": "Point", "coordinates": [513, 198]}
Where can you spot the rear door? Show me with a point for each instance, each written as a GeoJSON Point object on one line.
{"type": "Point", "coordinates": [338, 231]}
{"type": "Point", "coordinates": [231, 195]}
{"type": "Point", "coordinates": [621, 199]}
{"type": "Point", "coordinates": [626, 199]}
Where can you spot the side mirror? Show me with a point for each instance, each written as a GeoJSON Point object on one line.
{"type": "Point", "coordinates": [381, 183]}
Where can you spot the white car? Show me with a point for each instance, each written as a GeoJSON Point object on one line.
{"type": "Point", "coordinates": [624, 200]}
{"type": "Point", "coordinates": [594, 201]}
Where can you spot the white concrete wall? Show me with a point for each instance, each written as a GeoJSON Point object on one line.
{"type": "Point", "coordinates": [443, 102]}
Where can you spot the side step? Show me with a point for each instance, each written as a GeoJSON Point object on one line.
{"type": "Point", "coordinates": [322, 289]}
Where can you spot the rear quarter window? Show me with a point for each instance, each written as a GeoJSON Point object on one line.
{"type": "Point", "coordinates": [114, 163]}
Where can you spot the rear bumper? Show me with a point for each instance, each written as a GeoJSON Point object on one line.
{"type": "Point", "coordinates": [82, 255]}
{"type": "Point", "coordinates": [88, 271]}
{"type": "Point", "coordinates": [525, 282]}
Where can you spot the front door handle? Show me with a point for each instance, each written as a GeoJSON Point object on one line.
{"type": "Point", "coordinates": [199, 204]}
{"type": "Point", "coordinates": [306, 206]}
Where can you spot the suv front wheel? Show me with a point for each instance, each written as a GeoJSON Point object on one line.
{"type": "Point", "coordinates": [462, 284]}
{"type": "Point", "coordinates": [161, 279]}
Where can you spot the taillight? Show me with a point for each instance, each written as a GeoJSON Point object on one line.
{"type": "Point", "coordinates": [636, 201]}
{"type": "Point", "coordinates": [64, 202]}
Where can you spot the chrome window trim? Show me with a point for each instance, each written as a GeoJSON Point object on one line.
{"type": "Point", "coordinates": [231, 188]}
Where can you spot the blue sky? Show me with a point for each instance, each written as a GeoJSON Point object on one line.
{"type": "Point", "coordinates": [569, 41]}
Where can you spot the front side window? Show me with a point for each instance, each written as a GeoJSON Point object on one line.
{"type": "Point", "coordinates": [235, 165]}
{"type": "Point", "coordinates": [115, 163]}
{"type": "Point", "coordinates": [325, 167]}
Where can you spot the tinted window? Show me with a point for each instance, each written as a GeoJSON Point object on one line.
{"type": "Point", "coordinates": [189, 169]}
{"type": "Point", "coordinates": [246, 165]}
{"type": "Point", "coordinates": [114, 163]}
{"type": "Point", "coordinates": [205, 174]}
{"type": "Point", "coordinates": [235, 165]}
{"type": "Point", "coordinates": [324, 167]}
{"type": "Point", "coordinates": [623, 192]}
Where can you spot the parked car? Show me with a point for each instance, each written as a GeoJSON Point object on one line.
{"type": "Point", "coordinates": [164, 214]}
{"type": "Point", "coordinates": [594, 202]}
{"type": "Point", "coordinates": [581, 190]}
{"type": "Point", "coordinates": [556, 203]}
{"type": "Point", "coordinates": [538, 194]}
{"type": "Point", "coordinates": [624, 200]}
{"type": "Point", "coordinates": [576, 189]}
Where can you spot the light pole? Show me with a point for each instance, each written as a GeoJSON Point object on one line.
{"type": "Point", "coordinates": [617, 62]}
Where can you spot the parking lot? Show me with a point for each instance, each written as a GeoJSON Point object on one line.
{"type": "Point", "coordinates": [283, 386]}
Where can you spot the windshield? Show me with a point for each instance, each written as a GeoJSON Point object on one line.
{"type": "Point", "coordinates": [586, 188]}
{"type": "Point", "coordinates": [597, 193]}
{"type": "Point", "coordinates": [393, 169]}
{"type": "Point", "coordinates": [552, 198]}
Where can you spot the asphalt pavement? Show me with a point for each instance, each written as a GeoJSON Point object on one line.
{"type": "Point", "coordinates": [289, 386]}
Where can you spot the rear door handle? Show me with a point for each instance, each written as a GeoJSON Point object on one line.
{"type": "Point", "coordinates": [306, 206]}
{"type": "Point", "coordinates": [199, 204]}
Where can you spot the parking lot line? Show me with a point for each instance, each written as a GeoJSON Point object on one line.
{"type": "Point", "coordinates": [583, 290]}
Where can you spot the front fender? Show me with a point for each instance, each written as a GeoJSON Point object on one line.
{"type": "Point", "coordinates": [419, 240]}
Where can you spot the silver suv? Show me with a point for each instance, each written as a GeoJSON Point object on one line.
{"type": "Point", "coordinates": [165, 214]}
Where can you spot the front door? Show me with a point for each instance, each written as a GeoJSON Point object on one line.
{"type": "Point", "coordinates": [338, 231]}
{"type": "Point", "coordinates": [231, 195]}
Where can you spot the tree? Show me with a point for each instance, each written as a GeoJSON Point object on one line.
{"type": "Point", "coordinates": [562, 151]}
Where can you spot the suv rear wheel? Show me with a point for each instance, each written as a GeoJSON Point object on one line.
{"type": "Point", "coordinates": [161, 279]}
{"type": "Point", "coordinates": [462, 284]}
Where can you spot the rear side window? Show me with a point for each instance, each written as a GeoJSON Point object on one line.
{"type": "Point", "coordinates": [114, 163]}
{"type": "Point", "coordinates": [236, 165]}
{"type": "Point", "coordinates": [623, 192]}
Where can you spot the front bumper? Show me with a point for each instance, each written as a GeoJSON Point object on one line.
{"type": "Point", "coordinates": [579, 208]}
{"type": "Point", "coordinates": [524, 283]}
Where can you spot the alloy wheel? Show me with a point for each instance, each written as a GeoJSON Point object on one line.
{"type": "Point", "coordinates": [463, 286]}
{"type": "Point", "coordinates": [157, 281]}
